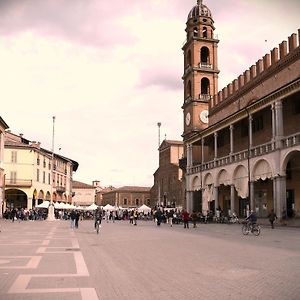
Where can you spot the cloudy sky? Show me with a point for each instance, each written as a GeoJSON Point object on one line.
{"type": "Point", "coordinates": [110, 70]}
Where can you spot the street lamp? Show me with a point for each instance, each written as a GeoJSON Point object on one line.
{"type": "Point", "coordinates": [158, 179]}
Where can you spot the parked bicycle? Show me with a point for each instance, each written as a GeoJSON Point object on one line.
{"type": "Point", "coordinates": [249, 227]}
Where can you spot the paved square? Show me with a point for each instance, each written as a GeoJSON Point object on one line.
{"type": "Point", "coordinates": [48, 260]}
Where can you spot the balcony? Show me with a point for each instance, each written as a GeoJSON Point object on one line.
{"type": "Point", "coordinates": [11, 182]}
{"type": "Point", "coordinates": [286, 142]}
{"type": "Point", "coordinates": [60, 189]}
{"type": "Point", "coordinates": [204, 97]}
{"type": "Point", "coordinates": [205, 65]}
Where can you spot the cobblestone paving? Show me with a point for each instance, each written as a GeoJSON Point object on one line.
{"type": "Point", "coordinates": [48, 260]}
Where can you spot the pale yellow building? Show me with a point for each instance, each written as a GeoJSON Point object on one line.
{"type": "Point", "coordinates": [84, 194]}
{"type": "Point", "coordinates": [3, 127]}
{"type": "Point", "coordinates": [33, 174]}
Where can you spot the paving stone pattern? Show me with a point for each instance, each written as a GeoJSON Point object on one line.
{"type": "Point", "coordinates": [45, 260]}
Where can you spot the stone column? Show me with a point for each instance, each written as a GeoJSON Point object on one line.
{"type": "Point", "coordinates": [216, 145]}
{"type": "Point", "coordinates": [202, 150]}
{"type": "Point", "coordinates": [189, 156]}
{"type": "Point", "coordinates": [231, 139]}
{"type": "Point", "coordinates": [279, 192]}
{"type": "Point", "coordinates": [216, 197]}
{"type": "Point", "coordinates": [278, 122]}
{"type": "Point", "coordinates": [273, 122]}
{"type": "Point", "coordinates": [189, 201]}
{"type": "Point", "coordinates": [250, 131]}
{"type": "Point", "coordinates": [232, 198]}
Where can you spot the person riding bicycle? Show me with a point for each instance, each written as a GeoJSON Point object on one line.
{"type": "Point", "coordinates": [252, 218]}
{"type": "Point", "coordinates": [98, 216]}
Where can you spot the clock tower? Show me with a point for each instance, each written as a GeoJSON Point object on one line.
{"type": "Point", "coordinates": [200, 76]}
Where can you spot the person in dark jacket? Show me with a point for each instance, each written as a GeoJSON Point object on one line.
{"type": "Point", "coordinates": [272, 217]}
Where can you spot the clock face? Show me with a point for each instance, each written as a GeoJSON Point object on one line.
{"type": "Point", "coordinates": [188, 119]}
{"type": "Point", "coordinates": [204, 116]}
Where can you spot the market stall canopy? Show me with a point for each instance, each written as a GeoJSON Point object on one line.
{"type": "Point", "coordinates": [45, 204]}
{"type": "Point", "coordinates": [144, 208]}
{"type": "Point", "coordinates": [92, 207]}
{"type": "Point", "coordinates": [109, 207]}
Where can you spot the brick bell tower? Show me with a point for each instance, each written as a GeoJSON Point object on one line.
{"type": "Point", "coordinates": [200, 76]}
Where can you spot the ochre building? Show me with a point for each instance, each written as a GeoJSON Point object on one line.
{"type": "Point", "coordinates": [242, 144]}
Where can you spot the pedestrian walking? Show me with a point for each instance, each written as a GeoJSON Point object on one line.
{"type": "Point", "coordinates": [73, 218]}
{"type": "Point", "coordinates": [170, 217]}
{"type": "Point", "coordinates": [194, 218]}
{"type": "Point", "coordinates": [77, 216]}
{"type": "Point", "coordinates": [272, 217]}
{"type": "Point", "coordinates": [185, 218]}
{"type": "Point", "coordinates": [158, 216]}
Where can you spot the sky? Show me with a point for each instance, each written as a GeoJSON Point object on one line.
{"type": "Point", "coordinates": [109, 71]}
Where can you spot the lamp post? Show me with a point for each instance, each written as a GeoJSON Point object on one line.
{"type": "Point", "coordinates": [158, 179]}
{"type": "Point", "coordinates": [51, 216]}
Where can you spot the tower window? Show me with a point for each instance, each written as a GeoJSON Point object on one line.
{"type": "Point", "coordinates": [204, 32]}
{"type": "Point", "coordinates": [195, 31]}
{"type": "Point", "coordinates": [205, 86]}
{"type": "Point", "coordinates": [204, 55]}
{"type": "Point", "coordinates": [189, 58]}
{"type": "Point", "coordinates": [189, 89]}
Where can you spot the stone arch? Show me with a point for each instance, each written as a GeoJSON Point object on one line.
{"type": "Point", "coordinates": [196, 183]}
{"type": "Point", "coordinates": [41, 195]}
{"type": "Point", "coordinates": [48, 196]}
{"type": "Point", "coordinates": [241, 181]}
{"type": "Point", "coordinates": [15, 198]}
{"type": "Point", "coordinates": [261, 170]}
{"type": "Point", "coordinates": [208, 179]}
{"type": "Point", "coordinates": [286, 159]}
{"type": "Point", "coordinates": [223, 178]}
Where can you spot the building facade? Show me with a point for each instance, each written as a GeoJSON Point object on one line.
{"type": "Point", "coordinates": [84, 194]}
{"type": "Point", "coordinates": [127, 197]}
{"type": "Point", "coordinates": [3, 127]}
{"type": "Point", "coordinates": [168, 188]}
{"type": "Point", "coordinates": [242, 144]}
{"type": "Point", "coordinates": [34, 174]}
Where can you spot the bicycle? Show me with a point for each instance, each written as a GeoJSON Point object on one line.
{"type": "Point", "coordinates": [253, 228]}
{"type": "Point", "coordinates": [98, 226]}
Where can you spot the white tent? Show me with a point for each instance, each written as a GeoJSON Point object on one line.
{"type": "Point", "coordinates": [58, 205]}
{"type": "Point", "coordinates": [92, 207]}
{"type": "Point", "coordinates": [109, 207]}
{"type": "Point", "coordinates": [45, 204]}
{"type": "Point", "coordinates": [144, 208]}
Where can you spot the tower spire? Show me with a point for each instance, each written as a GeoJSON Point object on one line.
{"type": "Point", "coordinates": [199, 2]}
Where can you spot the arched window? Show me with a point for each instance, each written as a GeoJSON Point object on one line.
{"type": "Point", "coordinates": [195, 31]}
{"type": "Point", "coordinates": [189, 89]}
{"type": "Point", "coordinates": [204, 55]}
{"type": "Point", "coordinates": [205, 86]}
{"type": "Point", "coordinates": [204, 32]}
{"type": "Point", "coordinates": [189, 58]}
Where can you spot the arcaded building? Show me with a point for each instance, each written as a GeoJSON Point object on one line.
{"type": "Point", "coordinates": [168, 188]}
{"type": "Point", "coordinates": [34, 174]}
{"type": "Point", "coordinates": [3, 127]}
{"type": "Point", "coordinates": [242, 144]}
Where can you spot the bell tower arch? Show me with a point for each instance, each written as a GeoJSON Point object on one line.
{"type": "Point", "coordinates": [200, 76]}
